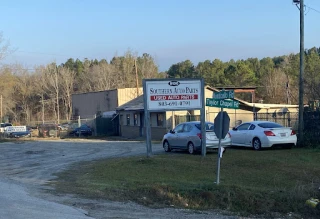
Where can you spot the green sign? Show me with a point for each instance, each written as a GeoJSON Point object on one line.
{"type": "Point", "coordinates": [224, 94]}
{"type": "Point", "coordinates": [231, 104]}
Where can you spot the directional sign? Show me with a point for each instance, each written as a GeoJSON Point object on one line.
{"type": "Point", "coordinates": [224, 94]}
{"type": "Point", "coordinates": [231, 104]}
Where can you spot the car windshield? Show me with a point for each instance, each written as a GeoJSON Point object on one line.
{"type": "Point", "coordinates": [270, 125]}
{"type": "Point", "coordinates": [209, 126]}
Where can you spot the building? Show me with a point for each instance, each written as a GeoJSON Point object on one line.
{"type": "Point", "coordinates": [131, 116]}
{"type": "Point", "coordinates": [87, 105]}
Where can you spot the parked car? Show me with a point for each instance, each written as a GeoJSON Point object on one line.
{"type": "Point", "coordinates": [263, 134]}
{"type": "Point", "coordinates": [83, 130]}
{"type": "Point", "coordinates": [187, 136]}
{"type": "Point", "coordinates": [48, 130]}
{"type": "Point", "coordinates": [25, 134]}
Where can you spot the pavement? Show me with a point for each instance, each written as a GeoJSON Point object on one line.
{"type": "Point", "coordinates": [27, 166]}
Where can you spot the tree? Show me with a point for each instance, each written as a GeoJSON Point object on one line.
{"type": "Point", "coordinates": [52, 77]}
{"type": "Point", "coordinates": [24, 90]}
{"type": "Point", "coordinates": [4, 47]}
{"type": "Point", "coordinates": [67, 77]}
{"type": "Point", "coordinates": [184, 69]}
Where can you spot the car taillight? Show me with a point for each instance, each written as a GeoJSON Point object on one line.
{"type": "Point", "coordinates": [199, 135]}
{"type": "Point", "coordinates": [269, 133]}
{"type": "Point", "coordinates": [293, 132]}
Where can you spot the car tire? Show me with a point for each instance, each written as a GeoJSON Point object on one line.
{"type": "Point", "coordinates": [256, 144]}
{"type": "Point", "coordinates": [166, 146]}
{"type": "Point", "coordinates": [191, 148]}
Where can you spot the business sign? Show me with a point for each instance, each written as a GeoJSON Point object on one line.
{"type": "Point", "coordinates": [231, 104]}
{"type": "Point", "coordinates": [173, 94]}
{"type": "Point", "coordinates": [224, 94]}
{"type": "Point", "coordinates": [10, 129]}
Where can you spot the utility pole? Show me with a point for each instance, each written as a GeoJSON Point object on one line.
{"type": "Point", "coordinates": [301, 75]}
{"type": "Point", "coordinates": [42, 108]}
{"type": "Point", "coordinates": [137, 82]}
{"type": "Point", "coordinates": [1, 107]}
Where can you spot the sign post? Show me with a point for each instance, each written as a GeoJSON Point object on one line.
{"type": "Point", "coordinates": [171, 95]}
{"type": "Point", "coordinates": [221, 131]}
{"type": "Point", "coordinates": [219, 147]}
{"type": "Point", "coordinates": [220, 99]}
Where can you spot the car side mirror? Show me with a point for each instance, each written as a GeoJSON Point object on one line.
{"type": "Point", "coordinates": [171, 131]}
{"type": "Point", "coordinates": [234, 129]}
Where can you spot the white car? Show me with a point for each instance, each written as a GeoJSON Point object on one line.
{"type": "Point", "coordinates": [263, 134]}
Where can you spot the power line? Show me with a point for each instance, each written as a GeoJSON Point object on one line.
{"type": "Point", "coordinates": [313, 9]}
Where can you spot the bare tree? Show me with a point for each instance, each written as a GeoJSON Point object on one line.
{"type": "Point", "coordinates": [104, 76]}
{"type": "Point", "coordinates": [23, 91]}
{"type": "Point", "coordinates": [7, 87]}
{"type": "Point", "coordinates": [52, 76]}
{"type": "Point", "coordinates": [4, 47]}
{"type": "Point", "coordinates": [67, 85]}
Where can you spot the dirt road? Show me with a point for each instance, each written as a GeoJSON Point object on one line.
{"type": "Point", "coordinates": [26, 167]}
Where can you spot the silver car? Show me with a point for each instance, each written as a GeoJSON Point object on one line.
{"type": "Point", "coordinates": [187, 136]}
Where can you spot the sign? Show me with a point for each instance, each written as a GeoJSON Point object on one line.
{"type": "Point", "coordinates": [10, 129]}
{"type": "Point", "coordinates": [224, 94]}
{"type": "Point", "coordinates": [231, 104]}
{"type": "Point", "coordinates": [221, 131]}
{"type": "Point", "coordinates": [173, 94]}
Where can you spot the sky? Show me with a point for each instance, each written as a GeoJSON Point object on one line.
{"type": "Point", "coordinates": [43, 31]}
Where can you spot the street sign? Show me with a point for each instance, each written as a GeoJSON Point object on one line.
{"type": "Point", "coordinates": [224, 94]}
{"type": "Point", "coordinates": [231, 104]}
{"type": "Point", "coordinates": [221, 131]}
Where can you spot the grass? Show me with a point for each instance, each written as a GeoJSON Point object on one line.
{"type": "Point", "coordinates": [251, 182]}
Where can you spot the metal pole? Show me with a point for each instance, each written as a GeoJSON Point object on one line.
{"type": "Point", "coordinates": [1, 108]}
{"type": "Point", "coordinates": [42, 108]}
{"type": "Point", "coordinates": [219, 147]}
{"type": "Point", "coordinates": [301, 105]}
{"type": "Point", "coordinates": [203, 120]}
{"type": "Point", "coordinates": [137, 79]}
{"type": "Point", "coordinates": [147, 120]}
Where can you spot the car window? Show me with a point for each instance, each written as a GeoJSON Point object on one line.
{"type": "Point", "coordinates": [187, 128]}
{"type": "Point", "coordinates": [244, 126]}
{"type": "Point", "coordinates": [270, 125]}
{"type": "Point", "coordinates": [252, 127]}
{"type": "Point", "coordinates": [179, 128]}
{"type": "Point", "coordinates": [209, 126]}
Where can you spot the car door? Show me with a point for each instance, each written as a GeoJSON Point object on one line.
{"type": "Point", "coordinates": [184, 136]}
{"type": "Point", "coordinates": [238, 135]}
{"type": "Point", "coordinates": [248, 136]}
{"type": "Point", "coordinates": [173, 138]}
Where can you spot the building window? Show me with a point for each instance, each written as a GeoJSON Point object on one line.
{"type": "Point", "coordinates": [135, 119]}
{"type": "Point", "coordinates": [128, 119]}
{"type": "Point", "coordinates": [160, 119]}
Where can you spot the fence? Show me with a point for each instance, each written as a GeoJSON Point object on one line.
{"type": "Point", "coordinates": [186, 118]}
{"type": "Point", "coordinates": [101, 126]}
{"type": "Point", "coordinates": [288, 119]}
{"type": "Point", "coordinates": [311, 121]}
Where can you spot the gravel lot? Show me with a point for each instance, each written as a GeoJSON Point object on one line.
{"type": "Point", "coordinates": [26, 166]}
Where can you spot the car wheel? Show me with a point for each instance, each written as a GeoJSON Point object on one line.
{"type": "Point", "coordinates": [191, 148]}
{"type": "Point", "coordinates": [166, 146]}
{"type": "Point", "coordinates": [256, 144]}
